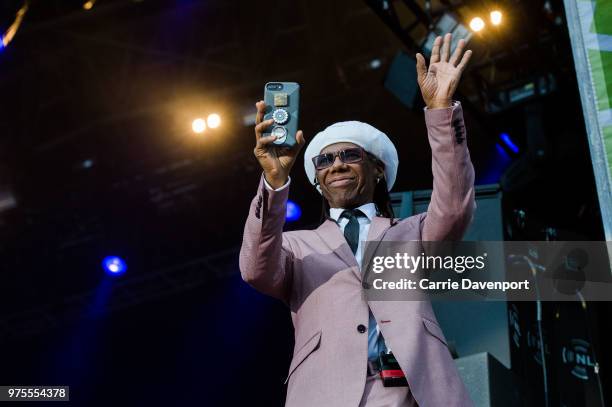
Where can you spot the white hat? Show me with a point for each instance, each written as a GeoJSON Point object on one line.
{"type": "Point", "coordinates": [362, 134]}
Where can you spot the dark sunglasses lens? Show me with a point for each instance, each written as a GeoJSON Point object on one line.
{"type": "Point", "coordinates": [323, 161]}
{"type": "Point", "coordinates": [351, 155]}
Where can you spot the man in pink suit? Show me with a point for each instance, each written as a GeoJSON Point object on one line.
{"type": "Point", "coordinates": [317, 273]}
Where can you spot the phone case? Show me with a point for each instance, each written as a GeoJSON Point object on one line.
{"type": "Point", "coordinates": [282, 104]}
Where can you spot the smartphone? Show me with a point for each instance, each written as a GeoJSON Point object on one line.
{"type": "Point", "coordinates": [282, 105]}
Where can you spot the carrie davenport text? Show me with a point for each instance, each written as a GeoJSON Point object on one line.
{"type": "Point", "coordinates": [466, 284]}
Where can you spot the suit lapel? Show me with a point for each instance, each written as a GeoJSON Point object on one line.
{"type": "Point", "coordinates": [330, 234]}
{"type": "Point", "coordinates": [378, 228]}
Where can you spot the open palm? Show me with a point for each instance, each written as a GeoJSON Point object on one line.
{"type": "Point", "coordinates": [439, 82]}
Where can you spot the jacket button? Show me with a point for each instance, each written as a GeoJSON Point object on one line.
{"type": "Point", "coordinates": [361, 328]}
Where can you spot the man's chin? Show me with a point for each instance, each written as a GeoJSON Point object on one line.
{"type": "Point", "coordinates": [347, 200]}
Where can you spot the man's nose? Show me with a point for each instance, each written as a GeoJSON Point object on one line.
{"type": "Point", "coordinates": [338, 163]}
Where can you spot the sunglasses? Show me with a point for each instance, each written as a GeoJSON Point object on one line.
{"type": "Point", "coordinates": [347, 156]}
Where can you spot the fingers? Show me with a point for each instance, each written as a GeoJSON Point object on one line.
{"type": "Point", "coordinates": [300, 141]}
{"type": "Point", "coordinates": [446, 48]}
{"type": "Point", "coordinates": [259, 129]}
{"type": "Point", "coordinates": [261, 109]}
{"type": "Point", "coordinates": [299, 137]}
{"type": "Point", "coordinates": [464, 60]}
{"type": "Point", "coordinates": [435, 51]}
{"type": "Point", "coordinates": [457, 54]}
{"type": "Point", "coordinates": [421, 68]}
{"type": "Point", "coordinates": [264, 141]}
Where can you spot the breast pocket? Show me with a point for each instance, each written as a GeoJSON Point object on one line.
{"type": "Point", "coordinates": [302, 354]}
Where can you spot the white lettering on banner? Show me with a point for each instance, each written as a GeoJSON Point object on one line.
{"type": "Point", "coordinates": [466, 284]}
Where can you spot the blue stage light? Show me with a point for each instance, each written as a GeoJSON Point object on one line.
{"type": "Point", "coordinates": [494, 166]}
{"type": "Point", "coordinates": [503, 155]}
{"type": "Point", "coordinates": [293, 211]}
{"type": "Point", "coordinates": [509, 143]}
{"type": "Point", "coordinates": [114, 265]}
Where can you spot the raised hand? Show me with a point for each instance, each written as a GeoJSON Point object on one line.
{"type": "Point", "coordinates": [275, 161]}
{"type": "Point", "coordinates": [439, 82]}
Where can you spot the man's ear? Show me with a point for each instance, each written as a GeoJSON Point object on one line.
{"type": "Point", "coordinates": [380, 171]}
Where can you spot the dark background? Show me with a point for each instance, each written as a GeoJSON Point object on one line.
{"type": "Point", "coordinates": [119, 85]}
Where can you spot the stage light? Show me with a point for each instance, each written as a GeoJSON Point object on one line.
{"type": "Point", "coordinates": [114, 265]}
{"type": "Point", "coordinates": [509, 143]}
{"type": "Point", "coordinates": [494, 165]}
{"type": "Point", "coordinates": [88, 5]}
{"type": "Point", "coordinates": [12, 29]}
{"type": "Point", "coordinates": [496, 17]}
{"type": "Point", "coordinates": [213, 120]}
{"type": "Point", "coordinates": [447, 23]}
{"type": "Point", "coordinates": [293, 211]}
{"type": "Point", "coordinates": [375, 64]}
{"type": "Point", "coordinates": [477, 24]}
{"type": "Point", "coordinates": [198, 126]}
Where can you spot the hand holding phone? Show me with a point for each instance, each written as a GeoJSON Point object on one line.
{"type": "Point", "coordinates": [276, 161]}
{"type": "Point", "coordinates": [282, 106]}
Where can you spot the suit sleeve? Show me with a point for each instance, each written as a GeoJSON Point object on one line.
{"type": "Point", "coordinates": [452, 205]}
{"type": "Point", "coordinates": [265, 256]}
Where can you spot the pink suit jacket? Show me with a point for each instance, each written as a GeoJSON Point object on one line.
{"type": "Point", "coordinates": [317, 275]}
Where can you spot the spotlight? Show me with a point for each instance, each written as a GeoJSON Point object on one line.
{"type": "Point", "coordinates": [198, 126]}
{"type": "Point", "coordinates": [114, 265]}
{"type": "Point", "coordinates": [501, 153]}
{"type": "Point", "coordinates": [477, 24]}
{"type": "Point", "coordinates": [496, 17]}
{"type": "Point", "coordinates": [12, 29]}
{"type": "Point", "coordinates": [213, 120]}
{"type": "Point", "coordinates": [509, 143]}
{"type": "Point", "coordinates": [375, 63]}
{"type": "Point", "coordinates": [88, 5]}
{"type": "Point", "coordinates": [293, 211]}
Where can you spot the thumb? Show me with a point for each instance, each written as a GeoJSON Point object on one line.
{"type": "Point", "coordinates": [420, 67]}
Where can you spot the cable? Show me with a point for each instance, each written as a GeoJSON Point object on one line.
{"type": "Point", "coordinates": [534, 268]}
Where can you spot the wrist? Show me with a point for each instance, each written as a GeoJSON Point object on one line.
{"type": "Point", "coordinates": [439, 104]}
{"type": "Point", "coordinates": [275, 181]}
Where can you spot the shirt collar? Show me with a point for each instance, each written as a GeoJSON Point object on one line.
{"type": "Point", "coordinates": [368, 209]}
